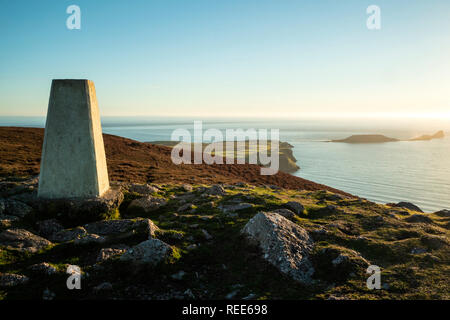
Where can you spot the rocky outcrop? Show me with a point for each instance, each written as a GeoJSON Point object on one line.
{"type": "Point", "coordinates": [418, 218]}
{"type": "Point", "coordinates": [426, 137]}
{"type": "Point", "coordinates": [283, 244]}
{"type": "Point", "coordinates": [149, 252]}
{"type": "Point", "coordinates": [23, 240]}
{"type": "Point", "coordinates": [143, 189]}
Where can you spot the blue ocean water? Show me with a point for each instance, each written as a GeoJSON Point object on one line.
{"type": "Point", "coordinates": [417, 172]}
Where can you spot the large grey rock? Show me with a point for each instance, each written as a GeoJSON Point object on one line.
{"type": "Point", "coordinates": [236, 207]}
{"type": "Point", "coordinates": [123, 226]}
{"type": "Point", "coordinates": [23, 240]}
{"type": "Point", "coordinates": [149, 252]}
{"type": "Point", "coordinates": [147, 204]}
{"type": "Point", "coordinates": [283, 243]}
{"type": "Point", "coordinates": [12, 280]}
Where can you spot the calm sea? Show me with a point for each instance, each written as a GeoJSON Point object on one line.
{"type": "Point", "coordinates": [417, 172]}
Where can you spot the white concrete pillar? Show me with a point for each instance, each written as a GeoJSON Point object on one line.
{"type": "Point", "coordinates": [73, 163]}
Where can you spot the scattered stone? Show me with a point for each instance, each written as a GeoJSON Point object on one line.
{"type": "Point", "coordinates": [288, 214]}
{"type": "Point", "coordinates": [406, 205]}
{"type": "Point", "coordinates": [194, 226]}
{"type": "Point", "coordinates": [69, 234]}
{"type": "Point", "coordinates": [109, 253]}
{"type": "Point", "coordinates": [188, 293]}
{"type": "Point", "coordinates": [418, 218]}
{"type": "Point", "coordinates": [283, 243]}
{"type": "Point", "coordinates": [186, 207]}
{"type": "Point", "coordinates": [123, 227]}
{"type": "Point", "coordinates": [48, 295]}
{"type": "Point", "coordinates": [206, 235]}
{"type": "Point", "coordinates": [236, 207]}
{"type": "Point", "coordinates": [43, 268]}
{"type": "Point", "coordinates": [15, 208]}
{"type": "Point", "coordinates": [90, 238]}
{"type": "Point", "coordinates": [2, 207]}
{"type": "Point", "coordinates": [187, 187]}
{"type": "Point", "coordinates": [191, 247]}
{"type": "Point", "coordinates": [232, 294]}
{"type": "Point", "coordinates": [143, 189]}
{"type": "Point", "coordinates": [418, 250]}
{"type": "Point", "coordinates": [23, 240]}
{"type": "Point", "coordinates": [12, 280]}
{"type": "Point", "coordinates": [147, 204]}
{"type": "Point", "coordinates": [295, 206]}
{"type": "Point", "coordinates": [149, 252]}
{"type": "Point", "coordinates": [216, 190]}
{"type": "Point", "coordinates": [251, 296]}
{"type": "Point", "coordinates": [105, 286]}
{"type": "Point", "coordinates": [179, 275]}
{"type": "Point", "coordinates": [47, 228]}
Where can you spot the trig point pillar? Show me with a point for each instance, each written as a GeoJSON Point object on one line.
{"type": "Point", "coordinates": [73, 163]}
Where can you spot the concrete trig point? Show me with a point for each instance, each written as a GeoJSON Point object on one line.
{"type": "Point", "coordinates": [73, 163]}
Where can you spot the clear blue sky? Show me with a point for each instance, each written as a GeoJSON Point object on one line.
{"type": "Point", "coordinates": [230, 57]}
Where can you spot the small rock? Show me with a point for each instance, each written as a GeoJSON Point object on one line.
{"type": "Point", "coordinates": [150, 252]}
{"type": "Point", "coordinates": [236, 207]}
{"type": "Point", "coordinates": [105, 286]}
{"type": "Point", "coordinates": [418, 250]}
{"type": "Point", "coordinates": [90, 238]}
{"type": "Point", "coordinates": [47, 228]}
{"type": "Point", "coordinates": [206, 234]}
{"type": "Point", "coordinates": [12, 280]}
{"type": "Point", "coordinates": [288, 214]}
{"type": "Point", "coordinates": [22, 239]}
{"type": "Point", "coordinates": [192, 246]}
{"type": "Point", "coordinates": [143, 189]}
{"type": "Point", "coordinates": [216, 190]}
{"type": "Point", "coordinates": [189, 294]}
{"type": "Point", "coordinates": [251, 296]}
{"type": "Point", "coordinates": [48, 295]}
{"type": "Point", "coordinates": [147, 204]}
{"type": "Point", "coordinates": [123, 226]}
{"type": "Point", "coordinates": [69, 234]}
{"type": "Point", "coordinates": [186, 207]}
{"type": "Point", "coordinates": [17, 208]}
{"type": "Point", "coordinates": [179, 275]}
{"type": "Point", "coordinates": [43, 268]}
{"type": "Point", "coordinates": [108, 253]}
{"type": "Point", "coordinates": [295, 206]}
{"type": "Point", "coordinates": [187, 187]}
{"type": "Point", "coordinates": [232, 294]}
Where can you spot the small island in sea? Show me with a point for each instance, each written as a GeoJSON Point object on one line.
{"type": "Point", "coordinates": [379, 138]}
